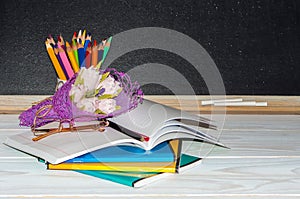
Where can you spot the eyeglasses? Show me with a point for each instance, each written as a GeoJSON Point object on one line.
{"type": "Point", "coordinates": [43, 133]}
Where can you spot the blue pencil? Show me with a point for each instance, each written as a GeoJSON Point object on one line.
{"type": "Point", "coordinates": [87, 41]}
{"type": "Point", "coordinates": [81, 54]}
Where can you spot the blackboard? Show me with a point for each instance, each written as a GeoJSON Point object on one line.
{"type": "Point", "coordinates": [254, 44]}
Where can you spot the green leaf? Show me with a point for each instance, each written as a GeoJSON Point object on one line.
{"type": "Point", "coordinates": [104, 76]}
{"type": "Point", "coordinates": [119, 91]}
{"type": "Point", "coordinates": [98, 111]}
{"type": "Point", "coordinates": [72, 97]}
{"type": "Point", "coordinates": [105, 96]}
{"type": "Point", "coordinates": [79, 80]}
{"type": "Point", "coordinates": [90, 93]}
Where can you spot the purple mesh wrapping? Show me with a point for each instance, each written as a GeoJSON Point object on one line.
{"type": "Point", "coordinates": [60, 108]}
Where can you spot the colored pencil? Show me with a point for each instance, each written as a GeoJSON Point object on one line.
{"type": "Point", "coordinates": [61, 41]}
{"type": "Point", "coordinates": [65, 61]}
{"type": "Point", "coordinates": [88, 54]}
{"type": "Point", "coordinates": [78, 36]}
{"type": "Point", "coordinates": [53, 58]}
{"type": "Point", "coordinates": [106, 48]}
{"type": "Point", "coordinates": [51, 40]}
{"type": "Point", "coordinates": [94, 54]}
{"type": "Point", "coordinates": [60, 61]}
{"type": "Point", "coordinates": [74, 36]}
{"type": "Point", "coordinates": [100, 51]}
{"type": "Point", "coordinates": [83, 37]}
{"type": "Point", "coordinates": [87, 41]}
{"type": "Point", "coordinates": [74, 47]}
{"type": "Point", "coordinates": [72, 57]}
{"type": "Point", "coordinates": [81, 54]}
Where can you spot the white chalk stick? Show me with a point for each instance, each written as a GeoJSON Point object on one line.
{"type": "Point", "coordinates": [245, 103]}
{"type": "Point", "coordinates": [210, 102]}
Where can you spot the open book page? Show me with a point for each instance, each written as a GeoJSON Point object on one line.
{"type": "Point", "coordinates": [177, 132]}
{"type": "Point", "coordinates": [154, 120]}
{"type": "Point", "coordinates": [149, 116]}
{"type": "Point", "coordinates": [60, 147]}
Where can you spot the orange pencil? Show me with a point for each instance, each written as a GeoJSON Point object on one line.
{"type": "Point", "coordinates": [58, 69]}
{"type": "Point", "coordinates": [72, 57]}
{"type": "Point", "coordinates": [95, 54]}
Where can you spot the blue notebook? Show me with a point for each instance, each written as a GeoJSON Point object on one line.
{"type": "Point", "coordinates": [139, 179]}
{"type": "Point", "coordinates": [161, 153]}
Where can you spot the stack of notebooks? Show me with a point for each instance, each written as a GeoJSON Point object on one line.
{"type": "Point", "coordinates": [137, 148]}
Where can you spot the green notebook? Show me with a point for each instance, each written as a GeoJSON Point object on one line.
{"type": "Point", "coordinates": [139, 179]}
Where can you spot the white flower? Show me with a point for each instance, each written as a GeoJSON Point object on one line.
{"type": "Point", "coordinates": [106, 105]}
{"type": "Point", "coordinates": [90, 77]}
{"type": "Point", "coordinates": [77, 92]}
{"type": "Point", "coordinates": [110, 85]}
{"type": "Point", "coordinates": [87, 104]}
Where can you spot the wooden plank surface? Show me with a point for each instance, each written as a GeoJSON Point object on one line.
{"type": "Point", "coordinates": [14, 104]}
{"type": "Point", "coordinates": [263, 162]}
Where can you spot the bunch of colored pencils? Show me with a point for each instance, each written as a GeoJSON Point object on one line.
{"type": "Point", "coordinates": [67, 58]}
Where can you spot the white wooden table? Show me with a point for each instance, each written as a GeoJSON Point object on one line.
{"type": "Point", "coordinates": [263, 162]}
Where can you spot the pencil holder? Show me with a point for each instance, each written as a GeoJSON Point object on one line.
{"type": "Point", "coordinates": [59, 83]}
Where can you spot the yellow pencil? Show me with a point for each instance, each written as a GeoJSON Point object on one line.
{"type": "Point", "coordinates": [72, 57]}
{"type": "Point", "coordinates": [83, 37]}
{"type": "Point", "coordinates": [55, 62]}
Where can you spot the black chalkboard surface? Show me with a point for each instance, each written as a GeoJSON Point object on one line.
{"type": "Point", "coordinates": [254, 44]}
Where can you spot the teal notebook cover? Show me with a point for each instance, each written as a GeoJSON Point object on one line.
{"type": "Point", "coordinates": [161, 153]}
{"type": "Point", "coordinates": [130, 178]}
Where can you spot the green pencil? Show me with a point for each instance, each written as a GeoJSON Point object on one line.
{"type": "Point", "coordinates": [74, 47]}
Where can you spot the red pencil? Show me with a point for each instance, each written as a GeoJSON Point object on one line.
{"type": "Point", "coordinates": [88, 56]}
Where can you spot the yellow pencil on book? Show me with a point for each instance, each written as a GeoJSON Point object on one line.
{"type": "Point", "coordinates": [57, 67]}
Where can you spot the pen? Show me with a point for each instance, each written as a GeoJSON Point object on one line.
{"type": "Point", "coordinates": [128, 132]}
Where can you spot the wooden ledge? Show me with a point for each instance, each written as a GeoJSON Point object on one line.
{"type": "Point", "coordinates": [15, 104]}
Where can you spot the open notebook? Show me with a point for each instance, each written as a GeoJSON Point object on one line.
{"type": "Point", "coordinates": [146, 126]}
